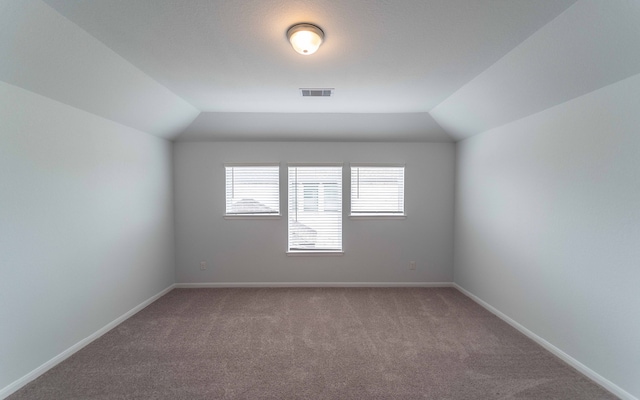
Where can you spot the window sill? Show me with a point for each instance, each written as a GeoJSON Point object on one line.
{"type": "Point", "coordinates": [314, 253]}
{"type": "Point", "coordinates": [377, 216]}
{"type": "Point", "coordinates": [252, 216]}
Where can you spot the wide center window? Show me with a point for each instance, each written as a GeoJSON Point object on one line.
{"type": "Point", "coordinates": [315, 208]}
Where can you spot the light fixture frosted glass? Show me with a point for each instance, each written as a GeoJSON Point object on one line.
{"type": "Point", "coordinates": [305, 38]}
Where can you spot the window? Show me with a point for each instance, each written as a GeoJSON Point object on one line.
{"type": "Point", "coordinates": [377, 190]}
{"type": "Point", "coordinates": [252, 190]}
{"type": "Point", "coordinates": [315, 208]}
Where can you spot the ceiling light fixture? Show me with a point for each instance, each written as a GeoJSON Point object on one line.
{"type": "Point", "coordinates": [305, 38]}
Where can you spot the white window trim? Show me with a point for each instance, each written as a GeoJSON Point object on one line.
{"type": "Point", "coordinates": [314, 253]}
{"type": "Point", "coordinates": [256, 216]}
{"type": "Point", "coordinates": [378, 216]}
{"type": "Point", "coordinates": [363, 216]}
{"type": "Point", "coordinates": [374, 164]}
{"type": "Point", "coordinates": [251, 164]}
{"type": "Point", "coordinates": [252, 216]}
{"type": "Point", "coordinates": [328, 164]}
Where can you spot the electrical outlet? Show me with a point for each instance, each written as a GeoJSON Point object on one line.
{"type": "Point", "coordinates": [412, 265]}
{"type": "Point", "coordinates": [203, 265]}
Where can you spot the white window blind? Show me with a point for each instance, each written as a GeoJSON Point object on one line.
{"type": "Point", "coordinates": [315, 208]}
{"type": "Point", "coordinates": [377, 190]}
{"type": "Point", "coordinates": [252, 190]}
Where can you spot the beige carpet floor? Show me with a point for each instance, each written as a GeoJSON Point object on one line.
{"type": "Point", "coordinates": [313, 343]}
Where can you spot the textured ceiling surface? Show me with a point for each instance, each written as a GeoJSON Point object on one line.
{"type": "Point", "coordinates": [414, 70]}
{"type": "Point", "coordinates": [380, 56]}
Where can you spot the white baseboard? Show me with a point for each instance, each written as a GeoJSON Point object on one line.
{"type": "Point", "coordinates": [16, 385]}
{"type": "Point", "coordinates": [309, 284]}
{"type": "Point", "coordinates": [594, 376]}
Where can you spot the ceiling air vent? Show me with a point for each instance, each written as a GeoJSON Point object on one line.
{"type": "Point", "coordinates": [316, 92]}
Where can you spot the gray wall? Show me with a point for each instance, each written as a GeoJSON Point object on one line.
{"type": "Point", "coordinates": [86, 226]}
{"type": "Point", "coordinates": [255, 250]}
{"type": "Point", "coordinates": [548, 226]}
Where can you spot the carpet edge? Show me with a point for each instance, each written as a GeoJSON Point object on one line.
{"type": "Point", "coordinates": [583, 369]}
{"type": "Point", "coordinates": [21, 382]}
{"type": "Point", "coordinates": [196, 285]}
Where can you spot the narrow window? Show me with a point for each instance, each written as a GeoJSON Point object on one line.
{"type": "Point", "coordinates": [315, 208]}
{"type": "Point", "coordinates": [377, 190]}
{"type": "Point", "coordinates": [252, 190]}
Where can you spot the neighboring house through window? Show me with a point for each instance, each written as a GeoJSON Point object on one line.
{"type": "Point", "coordinates": [252, 190]}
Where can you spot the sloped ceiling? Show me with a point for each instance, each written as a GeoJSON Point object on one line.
{"type": "Point", "coordinates": [436, 70]}
{"type": "Point", "coordinates": [591, 45]}
{"type": "Point", "coordinates": [45, 53]}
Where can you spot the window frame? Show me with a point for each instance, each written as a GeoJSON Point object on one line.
{"type": "Point", "coordinates": [380, 215]}
{"type": "Point", "coordinates": [340, 186]}
{"type": "Point", "coordinates": [277, 215]}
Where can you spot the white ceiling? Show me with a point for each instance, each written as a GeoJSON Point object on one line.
{"type": "Point", "coordinates": [45, 53]}
{"type": "Point", "coordinates": [381, 56]}
{"type": "Point", "coordinates": [402, 70]}
{"type": "Point", "coordinates": [591, 45]}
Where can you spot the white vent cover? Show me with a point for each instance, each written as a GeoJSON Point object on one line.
{"type": "Point", "coordinates": [317, 92]}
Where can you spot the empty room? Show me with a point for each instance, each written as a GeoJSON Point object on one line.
{"type": "Point", "coordinates": [278, 199]}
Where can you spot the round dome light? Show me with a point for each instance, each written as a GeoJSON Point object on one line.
{"type": "Point", "coordinates": [305, 38]}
